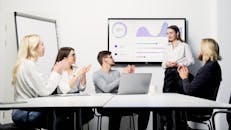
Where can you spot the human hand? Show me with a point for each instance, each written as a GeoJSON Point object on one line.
{"type": "Point", "coordinates": [82, 71]}
{"type": "Point", "coordinates": [60, 66]}
{"type": "Point", "coordinates": [129, 69]}
{"type": "Point", "coordinates": [132, 68]}
{"type": "Point", "coordinates": [183, 72]}
{"type": "Point", "coordinates": [86, 69]}
{"type": "Point", "coordinates": [171, 64]}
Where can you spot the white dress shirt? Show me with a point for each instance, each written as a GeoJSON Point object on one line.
{"type": "Point", "coordinates": [31, 83]}
{"type": "Point", "coordinates": [64, 86]}
{"type": "Point", "coordinates": [180, 54]}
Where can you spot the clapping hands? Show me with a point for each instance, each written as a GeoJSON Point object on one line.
{"type": "Point", "coordinates": [172, 64]}
{"type": "Point", "coordinates": [60, 66]}
{"type": "Point", "coordinates": [183, 72]}
{"type": "Point", "coordinates": [83, 71]}
{"type": "Point", "coordinates": [129, 69]}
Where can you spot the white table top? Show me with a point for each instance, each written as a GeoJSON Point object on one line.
{"type": "Point", "coordinates": [166, 100]}
{"type": "Point", "coordinates": [95, 100]}
{"type": "Point", "coordinates": [157, 101]}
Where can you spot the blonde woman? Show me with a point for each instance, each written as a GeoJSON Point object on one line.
{"type": "Point", "coordinates": [29, 82]}
{"type": "Point", "coordinates": [207, 80]}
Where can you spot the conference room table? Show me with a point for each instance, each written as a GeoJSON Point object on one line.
{"type": "Point", "coordinates": [112, 101]}
{"type": "Point", "coordinates": [61, 101]}
{"type": "Point", "coordinates": [163, 101]}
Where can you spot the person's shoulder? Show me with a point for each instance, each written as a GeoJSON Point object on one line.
{"type": "Point", "coordinates": [212, 65]}
{"type": "Point", "coordinates": [97, 72]}
{"type": "Point", "coordinates": [27, 62]}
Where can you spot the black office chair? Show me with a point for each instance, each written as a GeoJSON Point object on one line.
{"type": "Point", "coordinates": [203, 119]}
{"type": "Point", "coordinates": [219, 112]}
{"type": "Point", "coordinates": [228, 112]}
{"type": "Point", "coordinates": [205, 116]}
{"type": "Point", "coordinates": [99, 120]}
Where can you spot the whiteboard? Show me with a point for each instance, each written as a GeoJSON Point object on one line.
{"type": "Point", "coordinates": [46, 29]}
{"type": "Point", "coordinates": [141, 40]}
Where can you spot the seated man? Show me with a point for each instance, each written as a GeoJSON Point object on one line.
{"type": "Point", "coordinates": [107, 80]}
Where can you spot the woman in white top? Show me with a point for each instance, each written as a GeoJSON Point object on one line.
{"type": "Point", "coordinates": [72, 81]}
{"type": "Point", "coordinates": [29, 82]}
{"type": "Point", "coordinates": [177, 53]}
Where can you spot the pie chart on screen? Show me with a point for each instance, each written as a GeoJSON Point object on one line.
{"type": "Point", "coordinates": [119, 29]}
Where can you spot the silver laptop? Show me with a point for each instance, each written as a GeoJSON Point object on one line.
{"type": "Point", "coordinates": [136, 83]}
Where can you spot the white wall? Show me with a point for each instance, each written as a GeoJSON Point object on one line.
{"type": "Point", "coordinates": [1, 45]}
{"type": "Point", "coordinates": [223, 32]}
{"type": "Point", "coordinates": [1, 54]}
{"type": "Point", "coordinates": [83, 25]}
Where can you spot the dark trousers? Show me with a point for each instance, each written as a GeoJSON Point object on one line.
{"type": "Point", "coordinates": [172, 119]}
{"type": "Point", "coordinates": [30, 119]}
{"type": "Point", "coordinates": [172, 81]}
{"type": "Point", "coordinates": [65, 118]}
{"type": "Point", "coordinates": [115, 116]}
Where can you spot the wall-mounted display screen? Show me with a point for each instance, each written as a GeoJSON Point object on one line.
{"type": "Point", "coordinates": [140, 40]}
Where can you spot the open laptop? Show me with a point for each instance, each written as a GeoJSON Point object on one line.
{"type": "Point", "coordinates": [136, 83]}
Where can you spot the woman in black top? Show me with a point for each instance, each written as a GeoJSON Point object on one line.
{"type": "Point", "coordinates": [207, 80]}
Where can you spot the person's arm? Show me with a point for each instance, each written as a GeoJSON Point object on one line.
{"type": "Point", "coordinates": [64, 85]}
{"type": "Point", "coordinates": [188, 60]}
{"type": "Point", "coordinates": [82, 84]}
{"type": "Point", "coordinates": [83, 76]}
{"type": "Point", "coordinates": [200, 80]}
{"type": "Point", "coordinates": [101, 83]}
{"type": "Point", "coordinates": [37, 81]}
{"type": "Point", "coordinates": [165, 58]}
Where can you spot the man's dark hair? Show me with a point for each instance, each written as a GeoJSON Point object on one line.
{"type": "Point", "coordinates": [101, 55]}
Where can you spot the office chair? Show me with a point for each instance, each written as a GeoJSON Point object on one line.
{"type": "Point", "coordinates": [99, 120]}
{"type": "Point", "coordinates": [203, 119]}
{"type": "Point", "coordinates": [219, 112]}
{"type": "Point", "coordinates": [228, 112]}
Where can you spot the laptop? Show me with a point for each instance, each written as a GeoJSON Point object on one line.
{"type": "Point", "coordinates": [136, 83]}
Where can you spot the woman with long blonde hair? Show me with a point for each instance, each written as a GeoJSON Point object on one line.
{"type": "Point", "coordinates": [29, 82]}
{"type": "Point", "coordinates": [208, 78]}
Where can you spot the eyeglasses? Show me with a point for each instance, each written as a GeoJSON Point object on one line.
{"type": "Point", "coordinates": [73, 55]}
{"type": "Point", "coordinates": [109, 57]}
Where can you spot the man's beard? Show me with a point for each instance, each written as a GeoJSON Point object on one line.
{"type": "Point", "coordinates": [113, 64]}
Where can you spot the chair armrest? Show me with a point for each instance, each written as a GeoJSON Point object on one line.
{"type": "Point", "coordinates": [217, 112]}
